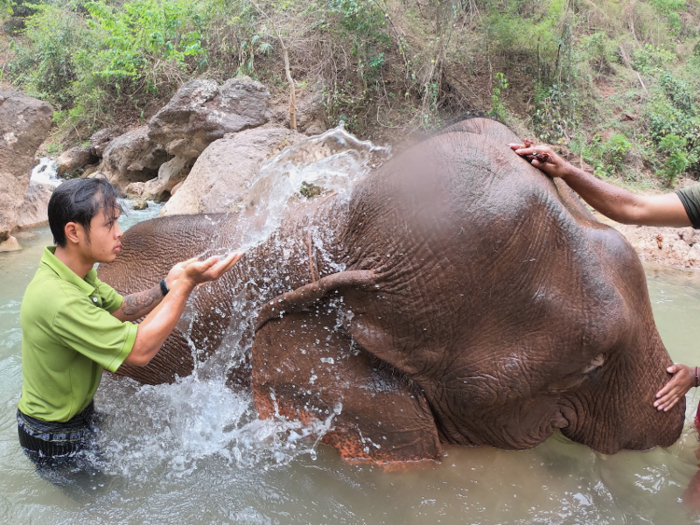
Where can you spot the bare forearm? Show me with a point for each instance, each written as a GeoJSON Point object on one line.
{"type": "Point", "coordinates": [616, 203]}
{"type": "Point", "coordinates": [157, 325]}
{"type": "Point", "coordinates": [139, 304]}
{"type": "Point", "coordinates": [613, 202]}
{"type": "Point", "coordinates": [623, 206]}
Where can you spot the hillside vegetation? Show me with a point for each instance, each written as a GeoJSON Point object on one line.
{"type": "Point", "coordinates": [614, 83]}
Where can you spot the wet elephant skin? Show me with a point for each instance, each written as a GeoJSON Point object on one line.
{"type": "Point", "coordinates": [460, 297]}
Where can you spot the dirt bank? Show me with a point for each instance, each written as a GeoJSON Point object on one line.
{"type": "Point", "coordinates": [667, 247]}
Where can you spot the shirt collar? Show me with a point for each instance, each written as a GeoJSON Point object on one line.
{"type": "Point", "coordinates": [50, 261]}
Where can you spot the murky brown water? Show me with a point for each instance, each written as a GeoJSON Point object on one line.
{"type": "Point", "coordinates": [194, 453]}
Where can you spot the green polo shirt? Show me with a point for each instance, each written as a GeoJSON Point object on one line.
{"type": "Point", "coordinates": [68, 337]}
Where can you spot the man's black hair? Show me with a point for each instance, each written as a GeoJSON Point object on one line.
{"type": "Point", "coordinates": [79, 200]}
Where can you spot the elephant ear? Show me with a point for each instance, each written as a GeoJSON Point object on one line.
{"type": "Point", "coordinates": [305, 367]}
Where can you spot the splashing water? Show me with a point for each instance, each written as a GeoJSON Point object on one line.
{"type": "Point", "coordinates": [326, 164]}
{"type": "Point", "coordinates": [171, 430]}
{"type": "Point", "coordinates": [46, 172]}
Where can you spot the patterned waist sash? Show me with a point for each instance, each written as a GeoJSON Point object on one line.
{"type": "Point", "coordinates": [53, 439]}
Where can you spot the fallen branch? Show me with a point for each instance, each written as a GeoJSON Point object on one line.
{"type": "Point", "coordinates": [641, 82]}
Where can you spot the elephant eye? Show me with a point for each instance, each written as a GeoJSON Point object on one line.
{"type": "Point", "coordinates": [597, 362]}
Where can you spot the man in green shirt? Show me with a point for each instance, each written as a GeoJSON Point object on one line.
{"type": "Point", "coordinates": [678, 209]}
{"type": "Point", "coordinates": [74, 325]}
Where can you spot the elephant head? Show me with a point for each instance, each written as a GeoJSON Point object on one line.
{"type": "Point", "coordinates": [460, 297]}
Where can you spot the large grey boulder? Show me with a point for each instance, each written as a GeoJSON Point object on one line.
{"type": "Point", "coordinates": [202, 112]}
{"type": "Point", "coordinates": [74, 160]}
{"type": "Point", "coordinates": [24, 124]}
{"type": "Point", "coordinates": [219, 179]}
{"type": "Point", "coordinates": [34, 209]}
{"type": "Point", "coordinates": [133, 157]}
{"type": "Point", "coordinates": [101, 139]}
{"type": "Point", "coordinates": [310, 112]}
{"type": "Point", "coordinates": [170, 174]}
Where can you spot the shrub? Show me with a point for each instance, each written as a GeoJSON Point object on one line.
{"type": "Point", "coordinates": [498, 110]}
{"type": "Point", "coordinates": [607, 157]}
{"type": "Point", "coordinates": [651, 60]}
{"type": "Point", "coordinates": [677, 157]}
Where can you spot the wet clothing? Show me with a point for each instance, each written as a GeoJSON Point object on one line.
{"type": "Point", "coordinates": [44, 439]}
{"type": "Point", "coordinates": [68, 337]}
{"type": "Point", "coordinates": [690, 197]}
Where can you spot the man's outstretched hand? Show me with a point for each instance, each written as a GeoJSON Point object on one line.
{"type": "Point", "coordinates": [543, 157]}
{"type": "Point", "coordinates": [196, 272]}
{"type": "Point", "coordinates": [682, 381]}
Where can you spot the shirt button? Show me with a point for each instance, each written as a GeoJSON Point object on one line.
{"type": "Point", "coordinates": [94, 299]}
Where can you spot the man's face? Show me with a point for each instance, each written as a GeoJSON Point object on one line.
{"type": "Point", "coordinates": [104, 239]}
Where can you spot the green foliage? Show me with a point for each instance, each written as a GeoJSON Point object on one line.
{"type": "Point", "coordinates": [677, 157]}
{"type": "Point", "coordinates": [84, 60]}
{"type": "Point", "coordinates": [560, 68]}
{"type": "Point", "coordinates": [362, 24]}
{"type": "Point", "coordinates": [555, 117]}
{"type": "Point", "coordinates": [46, 65]}
{"type": "Point", "coordinates": [498, 110]}
{"type": "Point", "coordinates": [599, 51]}
{"type": "Point", "coordinates": [670, 10]}
{"type": "Point", "coordinates": [652, 60]}
{"type": "Point", "coordinates": [143, 36]}
{"type": "Point", "coordinates": [674, 126]}
{"type": "Point", "coordinates": [607, 157]}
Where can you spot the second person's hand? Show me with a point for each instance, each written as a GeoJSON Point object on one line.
{"type": "Point", "coordinates": [545, 158]}
{"type": "Point", "coordinates": [683, 380]}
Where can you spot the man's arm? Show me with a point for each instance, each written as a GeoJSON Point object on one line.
{"type": "Point", "coordinates": [616, 203]}
{"type": "Point", "coordinates": [158, 324]}
{"type": "Point", "coordinates": [139, 304]}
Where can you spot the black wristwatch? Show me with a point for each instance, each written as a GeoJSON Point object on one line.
{"type": "Point", "coordinates": [164, 287]}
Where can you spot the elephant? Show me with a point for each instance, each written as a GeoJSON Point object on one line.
{"type": "Point", "coordinates": [457, 296]}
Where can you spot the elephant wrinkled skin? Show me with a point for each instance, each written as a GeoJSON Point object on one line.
{"type": "Point", "coordinates": [459, 296]}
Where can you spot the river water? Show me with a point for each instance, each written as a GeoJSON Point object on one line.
{"type": "Point", "coordinates": [195, 453]}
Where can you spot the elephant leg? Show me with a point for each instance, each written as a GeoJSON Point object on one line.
{"type": "Point", "coordinates": [304, 367]}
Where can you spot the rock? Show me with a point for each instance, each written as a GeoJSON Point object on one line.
{"type": "Point", "coordinates": [90, 170]}
{"type": "Point", "coordinates": [101, 139]}
{"type": "Point", "coordinates": [74, 160]}
{"type": "Point", "coordinates": [98, 175]}
{"type": "Point", "coordinates": [660, 245]}
{"type": "Point", "coordinates": [10, 245]}
{"type": "Point", "coordinates": [218, 180]}
{"type": "Point", "coordinates": [202, 112]}
{"type": "Point", "coordinates": [688, 235]}
{"type": "Point", "coordinates": [176, 187]}
{"type": "Point", "coordinates": [133, 157]}
{"type": "Point", "coordinates": [24, 235]}
{"type": "Point", "coordinates": [139, 204]}
{"type": "Point", "coordinates": [310, 112]}
{"type": "Point", "coordinates": [159, 189]}
{"type": "Point", "coordinates": [34, 209]}
{"type": "Point", "coordinates": [24, 124]}
{"type": "Point", "coordinates": [315, 128]}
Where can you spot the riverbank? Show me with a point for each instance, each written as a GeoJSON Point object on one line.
{"type": "Point", "coordinates": [675, 248]}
